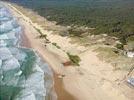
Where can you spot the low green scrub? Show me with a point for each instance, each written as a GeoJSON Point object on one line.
{"type": "Point", "coordinates": [73, 32]}
{"type": "Point", "coordinates": [38, 30]}
{"type": "Point", "coordinates": [75, 59]}
{"type": "Point", "coordinates": [119, 46]}
{"type": "Point", "coordinates": [130, 39]}
{"type": "Point", "coordinates": [111, 17]}
{"type": "Point", "coordinates": [55, 44]}
{"type": "Point", "coordinates": [41, 34]}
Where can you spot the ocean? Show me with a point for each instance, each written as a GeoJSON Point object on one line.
{"type": "Point", "coordinates": [23, 74]}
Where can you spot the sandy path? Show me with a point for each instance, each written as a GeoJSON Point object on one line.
{"type": "Point", "coordinates": [93, 80]}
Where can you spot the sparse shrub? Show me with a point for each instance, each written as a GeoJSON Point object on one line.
{"type": "Point", "coordinates": [64, 33]}
{"type": "Point", "coordinates": [43, 36]}
{"type": "Point", "coordinates": [123, 40]}
{"type": "Point", "coordinates": [129, 39]}
{"type": "Point", "coordinates": [116, 51]}
{"type": "Point", "coordinates": [55, 44]}
{"type": "Point", "coordinates": [74, 32]}
{"type": "Point", "coordinates": [75, 59]}
{"type": "Point", "coordinates": [119, 46]}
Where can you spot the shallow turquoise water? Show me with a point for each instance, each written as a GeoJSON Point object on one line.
{"type": "Point", "coordinates": [22, 72]}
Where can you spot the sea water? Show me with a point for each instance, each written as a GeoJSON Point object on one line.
{"type": "Point", "coordinates": [23, 75]}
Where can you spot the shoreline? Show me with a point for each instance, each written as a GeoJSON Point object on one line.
{"type": "Point", "coordinates": [58, 83]}
{"type": "Point", "coordinates": [84, 82]}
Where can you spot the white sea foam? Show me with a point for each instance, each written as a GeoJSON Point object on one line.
{"type": "Point", "coordinates": [21, 69]}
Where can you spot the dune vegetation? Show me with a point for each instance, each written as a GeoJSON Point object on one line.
{"type": "Point", "coordinates": [112, 17]}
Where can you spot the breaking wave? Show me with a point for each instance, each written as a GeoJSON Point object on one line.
{"type": "Point", "coordinates": [23, 75]}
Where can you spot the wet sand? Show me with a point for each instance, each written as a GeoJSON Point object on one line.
{"type": "Point", "coordinates": [25, 42]}
{"type": "Point", "coordinates": [61, 92]}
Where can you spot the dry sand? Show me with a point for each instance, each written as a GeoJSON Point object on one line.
{"type": "Point", "coordinates": [92, 80]}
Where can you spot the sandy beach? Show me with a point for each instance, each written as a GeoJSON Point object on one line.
{"type": "Point", "coordinates": [92, 80]}
{"type": "Point", "coordinates": [62, 94]}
